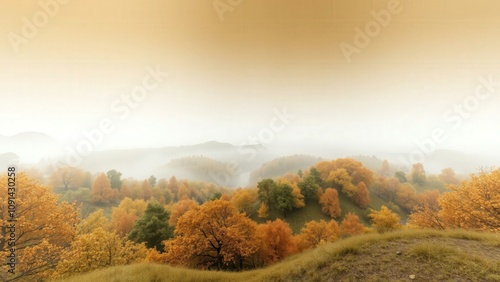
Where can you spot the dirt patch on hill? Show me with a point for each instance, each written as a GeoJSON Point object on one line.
{"type": "Point", "coordinates": [422, 259]}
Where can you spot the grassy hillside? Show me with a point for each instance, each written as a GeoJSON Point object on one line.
{"type": "Point", "coordinates": [312, 211]}
{"type": "Point", "coordinates": [427, 254]}
{"type": "Point", "coordinates": [298, 217]}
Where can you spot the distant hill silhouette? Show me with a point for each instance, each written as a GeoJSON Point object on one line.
{"type": "Point", "coordinates": [30, 147]}
{"type": "Point", "coordinates": [281, 166]}
{"type": "Point", "coordinates": [252, 162]}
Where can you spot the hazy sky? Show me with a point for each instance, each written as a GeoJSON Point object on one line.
{"type": "Point", "coordinates": [227, 77]}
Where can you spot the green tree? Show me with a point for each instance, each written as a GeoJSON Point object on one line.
{"type": "Point", "coordinates": [418, 174]}
{"type": "Point", "coordinates": [215, 196]}
{"type": "Point", "coordinates": [115, 179]}
{"type": "Point", "coordinates": [316, 176]}
{"type": "Point", "coordinates": [284, 198]}
{"type": "Point", "coordinates": [266, 188]}
{"type": "Point", "coordinates": [87, 180]}
{"type": "Point", "coordinates": [401, 176]}
{"type": "Point", "coordinates": [309, 187]}
{"type": "Point", "coordinates": [152, 228]}
{"type": "Point", "coordinates": [152, 180]}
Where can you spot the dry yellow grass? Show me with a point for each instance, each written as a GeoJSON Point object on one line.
{"type": "Point", "coordinates": [428, 254]}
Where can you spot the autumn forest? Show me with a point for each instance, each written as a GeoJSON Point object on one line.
{"type": "Point", "coordinates": [75, 222]}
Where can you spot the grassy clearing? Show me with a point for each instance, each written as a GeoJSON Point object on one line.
{"type": "Point", "coordinates": [429, 255]}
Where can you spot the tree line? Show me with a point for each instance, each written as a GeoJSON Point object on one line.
{"type": "Point", "coordinates": [200, 225]}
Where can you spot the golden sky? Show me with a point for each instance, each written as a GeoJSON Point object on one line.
{"type": "Point", "coordinates": [227, 76]}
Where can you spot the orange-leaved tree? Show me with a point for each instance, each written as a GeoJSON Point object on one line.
{"type": "Point", "coordinates": [429, 197]}
{"type": "Point", "coordinates": [147, 190]}
{"type": "Point", "coordinates": [67, 177]}
{"type": "Point", "coordinates": [277, 241]}
{"type": "Point", "coordinates": [330, 204]}
{"type": "Point", "coordinates": [101, 190]}
{"type": "Point", "coordinates": [213, 235]}
{"type": "Point", "coordinates": [351, 225]}
{"type": "Point", "coordinates": [362, 196]}
{"type": "Point", "coordinates": [126, 214]}
{"type": "Point", "coordinates": [180, 208]}
{"type": "Point", "coordinates": [448, 176]}
{"type": "Point", "coordinates": [355, 169]}
{"type": "Point", "coordinates": [43, 228]}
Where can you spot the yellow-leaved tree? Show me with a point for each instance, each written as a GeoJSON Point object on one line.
{"type": "Point", "coordinates": [43, 229]}
{"type": "Point", "coordinates": [92, 222]}
{"type": "Point", "coordinates": [126, 214]}
{"type": "Point", "coordinates": [244, 200]}
{"type": "Point", "coordinates": [315, 233]}
{"type": "Point", "coordinates": [98, 249]}
{"type": "Point", "coordinates": [475, 204]}
{"type": "Point", "coordinates": [263, 211]}
{"type": "Point", "coordinates": [385, 220]}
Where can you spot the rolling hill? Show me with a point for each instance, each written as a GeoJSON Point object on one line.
{"type": "Point", "coordinates": [280, 166]}
{"type": "Point", "coordinates": [30, 147]}
{"type": "Point", "coordinates": [417, 255]}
